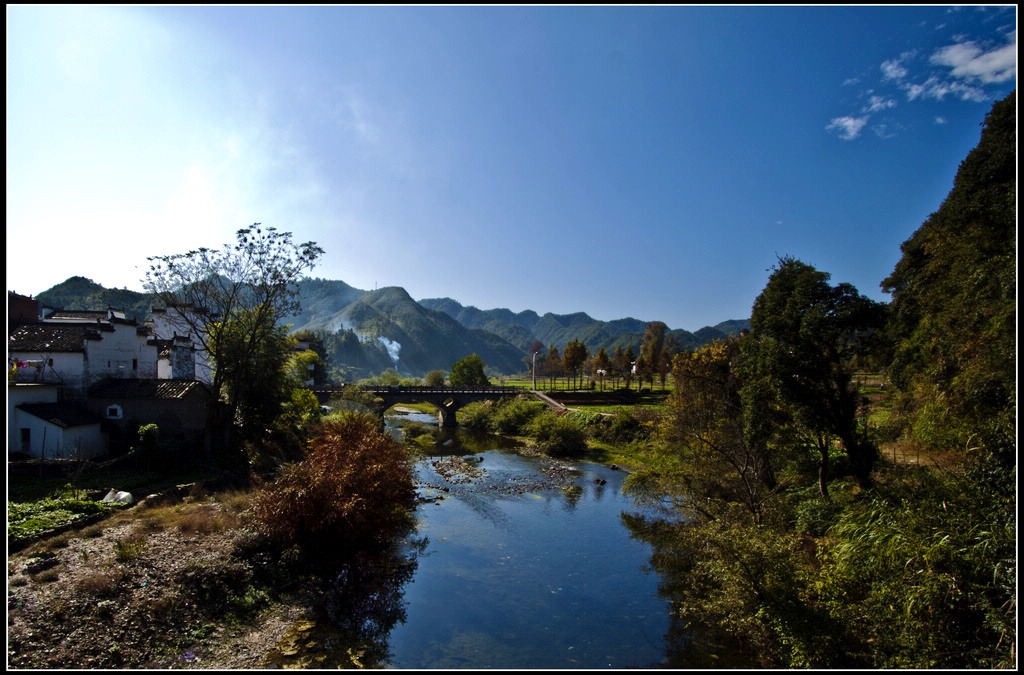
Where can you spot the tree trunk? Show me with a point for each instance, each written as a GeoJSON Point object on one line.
{"type": "Point", "coordinates": [823, 468]}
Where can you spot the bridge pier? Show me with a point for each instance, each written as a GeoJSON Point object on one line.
{"type": "Point", "coordinates": [446, 414]}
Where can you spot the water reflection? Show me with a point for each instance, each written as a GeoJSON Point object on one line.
{"type": "Point", "coordinates": [361, 602]}
{"type": "Point", "coordinates": [532, 564]}
{"type": "Point", "coordinates": [687, 646]}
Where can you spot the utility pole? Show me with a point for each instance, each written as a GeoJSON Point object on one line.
{"type": "Point", "coordinates": [535, 371]}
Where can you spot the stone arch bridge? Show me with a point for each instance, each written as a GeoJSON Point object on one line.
{"type": "Point", "coordinates": [447, 400]}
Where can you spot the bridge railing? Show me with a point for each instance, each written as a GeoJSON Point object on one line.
{"type": "Point", "coordinates": [398, 389]}
{"type": "Point", "coordinates": [496, 390]}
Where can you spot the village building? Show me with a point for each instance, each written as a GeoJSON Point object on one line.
{"type": "Point", "coordinates": [81, 382]}
{"type": "Point", "coordinates": [78, 354]}
{"type": "Point", "coordinates": [21, 309]}
{"type": "Point", "coordinates": [172, 327]}
{"type": "Point", "coordinates": [57, 430]}
{"type": "Point", "coordinates": [180, 408]}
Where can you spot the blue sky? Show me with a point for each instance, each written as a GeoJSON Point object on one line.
{"type": "Point", "coordinates": [649, 162]}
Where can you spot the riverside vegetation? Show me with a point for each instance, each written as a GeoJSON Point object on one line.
{"type": "Point", "coordinates": [828, 522]}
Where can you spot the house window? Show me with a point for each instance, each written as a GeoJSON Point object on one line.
{"type": "Point", "coordinates": [135, 364]}
{"type": "Point", "coordinates": [26, 439]}
{"type": "Point", "coordinates": [113, 412]}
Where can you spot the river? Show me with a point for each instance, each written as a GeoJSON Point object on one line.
{"type": "Point", "coordinates": [516, 562]}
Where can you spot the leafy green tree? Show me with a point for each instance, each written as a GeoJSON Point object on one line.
{"type": "Point", "coordinates": [706, 426]}
{"type": "Point", "coordinates": [803, 334]}
{"type": "Point", "coordinates": [434, 378]}
{"type": "Point", "coordinates": [255, 365]}
{"type": "Point", "coordinates": [320, 365]}
{"type": "Point", "coordinates": [553, 366]}
{"type": "Point", "coordinates": [574, 357]}
{"type": "Point", "coordinates": [469, 372]}
{"type": "Point", "coordinates": [619, 364]}
{"type": "Point", "coordinates": [231, 300]}
{"type": "Point", "coordinates": [664, 366]}
{"type": "Point", "coordinates": [953, 319]}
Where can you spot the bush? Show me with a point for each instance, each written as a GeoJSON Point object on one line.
{"type": "Point", "coordinates": [512, 416]}
{"type": "Point", "coordinates": [558, 436]}
{"type": "Point", "coordinates": [130, 548]}
{"type": "Point", "coordinates": [922, 574]}
{"type": "Point", "coordinates": [476, 415]}
{"type": "Point", "coordinates": [623, 428]}
{"type": "Point", "coordinates": [149, 438]}
{"type": "Point", "coordinates": [588, 420]}
{"type": "Point", "coordinates": [744, 585]}
{"type": "Point", "coordinates": [355, 487]}
{"type": "Point", "coordinates": [814, 515]}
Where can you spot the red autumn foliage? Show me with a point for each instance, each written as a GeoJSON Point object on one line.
{"type": "Point", "coordinates": [354, 487]}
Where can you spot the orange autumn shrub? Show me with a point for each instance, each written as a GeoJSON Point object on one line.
{"type": "Point", "coordinates": [354, 487]}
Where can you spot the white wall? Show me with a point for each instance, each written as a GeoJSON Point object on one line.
{"type": "Point", "coordinates": [50, 441]}
{"type": "Point", "coordinates": [24, 393]}
{"type": "Point", "coordinates": [172, 322]}
{"type": "Point", "coordinates": [67, 368]}
{"type": "Point", "coordinates": [122, 353]}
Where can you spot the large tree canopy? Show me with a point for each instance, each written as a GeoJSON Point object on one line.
{"type": "Point", "coordinates": [804, 332]}
{"type": "Point", "coordinates": [231, 300]}
{"type": "Point", "coordinates": [469, 372]}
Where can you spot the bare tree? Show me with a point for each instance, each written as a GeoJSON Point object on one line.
{"type": "Point", "coordinates": [231, 299]}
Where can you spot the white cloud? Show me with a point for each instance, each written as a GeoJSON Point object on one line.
{"type": "Point", "coordinates": [957, 71]}
{"type": "Point", "coordinates": [938, 89]}
{"type": "Point", "coordinates": [893, 70]}
{"type": "Point", "coordinates": [940, 120]}
{"type": "Point", "coordinates": [883, 130]}
{"type": "Point", "coordinates": [972, 63]}
{"type": "Point", "coordinates": [847, 127]}
{"type": "Point", "coordinates": [877, 103]}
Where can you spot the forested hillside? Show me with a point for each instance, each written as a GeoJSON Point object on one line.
{"type": "Point", "coordinates": [365, 332]}
{"type": "Point", "coordinates": [79, 293]}
{"type": "Point", "coordinates": [559, 329]}
{"type": "Point", "coordinates": [954, 300]}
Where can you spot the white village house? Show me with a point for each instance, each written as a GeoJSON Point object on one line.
{"type": "Point", "coordinates": [56, 358]}
{"type": "Point", "coordinates": [77, 354]}
{"type": "Point", "coordinates": [173, 331]}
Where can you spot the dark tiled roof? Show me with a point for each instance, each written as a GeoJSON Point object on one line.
{"type": "Point", "coordinates": [163, 389]}
{"type": "Point", "coordinates": [61, 414]}
{"type": "Point", "coordinates": [79, 314]}
{"type": "Point", "coordinates": [52, 337]}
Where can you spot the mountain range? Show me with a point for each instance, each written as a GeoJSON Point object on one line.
{"type": "Point", "coordinates": [369, 331]}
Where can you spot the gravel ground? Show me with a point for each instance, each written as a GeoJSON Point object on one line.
{"type": "Point", "coordinates": [77, 604]}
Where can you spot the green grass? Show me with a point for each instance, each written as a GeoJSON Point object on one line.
{"type": "Point", "coordinates": [27, 519]}
{"type": "Point", "coordinates": [429, 408]}
{"type": "Point", "coordinates": [628, 456]}
{"type": "Point", "coordinates": [37, 504]}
